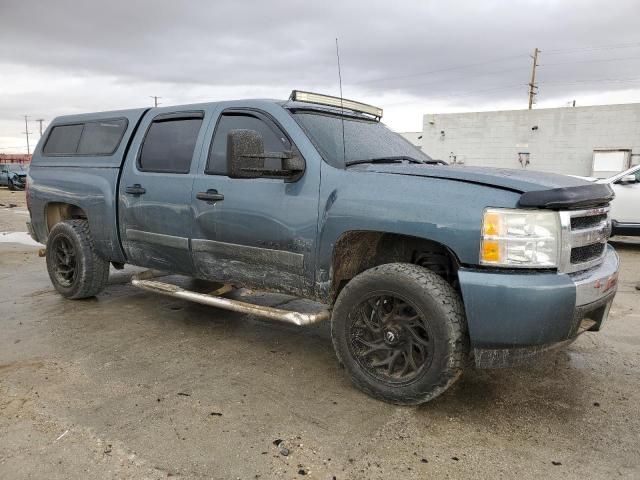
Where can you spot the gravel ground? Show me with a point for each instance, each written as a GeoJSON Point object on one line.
{"type": "Point", "coordinates": [133, 385]}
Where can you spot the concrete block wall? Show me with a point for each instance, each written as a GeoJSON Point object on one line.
{"type": "Point", "coordinates": [563, 141]}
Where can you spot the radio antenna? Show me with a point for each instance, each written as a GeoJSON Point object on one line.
{"type": "Point", "coordinates": [344, 148]}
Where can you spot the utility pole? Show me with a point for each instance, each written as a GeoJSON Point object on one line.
{"type": "Point", "coordinates": [40, 120]}
{"type": "Point", "coordinates": [155, 100]}
{"type": "Point", "coordinates": [26, 132]}
{"type": "Point", "coordinates": [533, 88]}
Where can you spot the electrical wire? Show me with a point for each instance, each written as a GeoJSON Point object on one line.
{"type": "Point", "coordinates": [561, 51]}
{"type": "Point", "coordinates": [600, 60]}
{"type": "Point", "coordinates": [512, 57]}
{"type": "Point", "coordinates": [446, 69]}
{"type": "Point", "coordinates": [469, 93]}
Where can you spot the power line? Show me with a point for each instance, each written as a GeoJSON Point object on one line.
{"type": "Point", "coordinates": [595, 80]}
{"type": "Point", "coordinates": [599, 60]}
{"type": "Point", "coordinates": [560, 51]}
{"type": "Point", "coordinates": [460, 77]}
{"type": "Point", "coordinates": [502, 59]}
{"type": "Point", "coordinates": [446, 69]}
{"type": "Point", "coordinates": [464, 93]}
{"type": "Point", "coordinates": [468, 93]}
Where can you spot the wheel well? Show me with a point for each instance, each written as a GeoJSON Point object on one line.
{"type": "Point", "coordinates": [56, 212]}
{"type": "Point", "coordinates": [358, 251]}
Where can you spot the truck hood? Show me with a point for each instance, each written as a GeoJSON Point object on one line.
{"type": "Point", "coordinates": [539, 189]}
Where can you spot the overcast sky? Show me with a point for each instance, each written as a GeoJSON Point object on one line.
{"type": "Point", "coordinates": [410, 58]}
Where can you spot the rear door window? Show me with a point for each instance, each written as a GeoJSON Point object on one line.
{"type": "Point", "coordinates": [169, 144]}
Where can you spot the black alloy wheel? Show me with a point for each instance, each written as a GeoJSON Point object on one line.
{"type": "Point", "coordinates": [389, 338]}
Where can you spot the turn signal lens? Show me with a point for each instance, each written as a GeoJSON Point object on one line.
{"type": "Point", "coordinates": [490, 251]}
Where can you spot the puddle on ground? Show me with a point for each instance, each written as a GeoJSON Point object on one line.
{"type": "Point", "coordinates": [14, 209]}
{"type": "Point", "coordinates": [22, 238]}
{"type": "Point", "coordinates": [577, 359]}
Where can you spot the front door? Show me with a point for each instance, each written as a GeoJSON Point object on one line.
{"type": "Point", "coordinates": [155, 191]}
{"type": "Point", "coordinates": [257, 232]}
{"type": "Point", "coordinates": [625, 205]}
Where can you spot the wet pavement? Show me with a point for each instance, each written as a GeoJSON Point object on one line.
{"type": "Point", "coordinates": [133, 385]}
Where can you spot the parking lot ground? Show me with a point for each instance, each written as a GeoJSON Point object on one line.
{"type": "Point", "coordinates": [134, 385]}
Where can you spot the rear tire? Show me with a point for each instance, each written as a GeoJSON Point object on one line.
{"type": "Point", "coordinates": [400, 331]}
{"type": "Point", "coordinates": [74, 267]}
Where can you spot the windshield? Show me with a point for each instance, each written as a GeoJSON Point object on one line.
{"type": "Point", "coordinates": [16, 168]}
{"type": "Point", "coordinates": [363, 139]}
{"type": "Point", "coordinates": [634, 170]}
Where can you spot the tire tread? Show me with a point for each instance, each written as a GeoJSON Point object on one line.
{"type": "Point", "coordinates": [453, 309]}
{"type": "Point", "coordinates": [94, 270]}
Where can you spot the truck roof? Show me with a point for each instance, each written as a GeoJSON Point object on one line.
{"type": "Point", "coordinates": [132, 113]}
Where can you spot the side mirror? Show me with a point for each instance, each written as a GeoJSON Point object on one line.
{"type": "Point", "coordinates": [629, 179]}
{"type": "Point", "coordinates": [246, 156]}
{"type": "Point", "coordinates": [245, 153]}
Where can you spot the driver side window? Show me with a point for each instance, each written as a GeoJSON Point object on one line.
{"type": "Point", "coordinates": [274, 140]}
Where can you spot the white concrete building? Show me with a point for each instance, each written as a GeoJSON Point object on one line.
{"type": "Point", "coordinates": [413, 137]}
{"type": "Point", "coordinates": [561, 140]}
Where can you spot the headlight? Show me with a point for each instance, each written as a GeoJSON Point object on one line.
{"type": "Point", "coordinates": [520, 238]}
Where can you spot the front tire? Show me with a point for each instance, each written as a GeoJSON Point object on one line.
{"type": "Point", "coordinates": [74, 267]}
{"type": "Point", "coordinates": [12, 187]}
{"type": "Point", "coordinates": [400, 331]}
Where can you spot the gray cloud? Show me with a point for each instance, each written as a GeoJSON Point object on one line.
{"type": "Point", "coordinates": [407, 50]}
{"type": "Point", "coordinates": [277, 42]}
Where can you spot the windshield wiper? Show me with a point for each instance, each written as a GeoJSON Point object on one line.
{"type": "Point", "coordinates": [396, 159]}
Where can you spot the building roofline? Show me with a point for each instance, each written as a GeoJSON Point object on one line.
{"type": "Point", "coordinates": [608, 105]}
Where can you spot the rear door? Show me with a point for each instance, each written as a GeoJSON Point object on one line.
{"type": "Point", "coordinates": [155, 190]}
{"type": "Point", "coordinates": [258, 232]}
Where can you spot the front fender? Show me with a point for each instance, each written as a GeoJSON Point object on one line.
{"type": "Point", "coordinates": [448, 212]}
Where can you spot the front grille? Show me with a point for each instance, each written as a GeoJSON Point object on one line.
{"type": "Point", "coordinates": [586, 253]}
{"type": "Point", "coordinates": [584, 238]}
{"type": "Point", "coordinates": [578, 223]}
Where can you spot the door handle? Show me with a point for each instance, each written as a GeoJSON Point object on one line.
{"type": "Point", "coordinates": [210, 195]}
{"type": "Point", "coordinates": [135, 189]}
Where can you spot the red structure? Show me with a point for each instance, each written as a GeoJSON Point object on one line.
{"type": "Point", "coordinates": [15, 158]}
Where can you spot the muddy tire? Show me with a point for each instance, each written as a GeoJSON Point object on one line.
{"type": "Point", "coordinates": [74, 267]}
{"type": "Point", "coordinates": [400, 332]}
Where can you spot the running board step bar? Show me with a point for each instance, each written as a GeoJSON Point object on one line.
{"type": "Point", "coordinates": [286, 316]}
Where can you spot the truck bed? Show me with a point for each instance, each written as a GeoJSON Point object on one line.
{"type": "Point", "coordinates": [78, 179]}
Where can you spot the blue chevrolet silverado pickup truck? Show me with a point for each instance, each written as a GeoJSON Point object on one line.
{"type": "Point", "coordinates": [421, 266]}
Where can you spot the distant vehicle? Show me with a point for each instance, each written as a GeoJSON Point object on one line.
{"type": "Point", "coordinates": [419, 265]}
{"type": "Point", "coordinates": [625, 207]}
{"type": "Point", "coordinates": [13, 175]}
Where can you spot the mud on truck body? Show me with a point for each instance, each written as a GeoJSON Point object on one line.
{"type": "Point", "coordinates": [421, 266]}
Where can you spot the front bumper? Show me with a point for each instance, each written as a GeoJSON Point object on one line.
{"type": "Point", "coordinates": [630, 229]}
{"type": "Point", "coordinates": [19, 182]}
{"type": "Point", "coordinates": [514, 316]}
